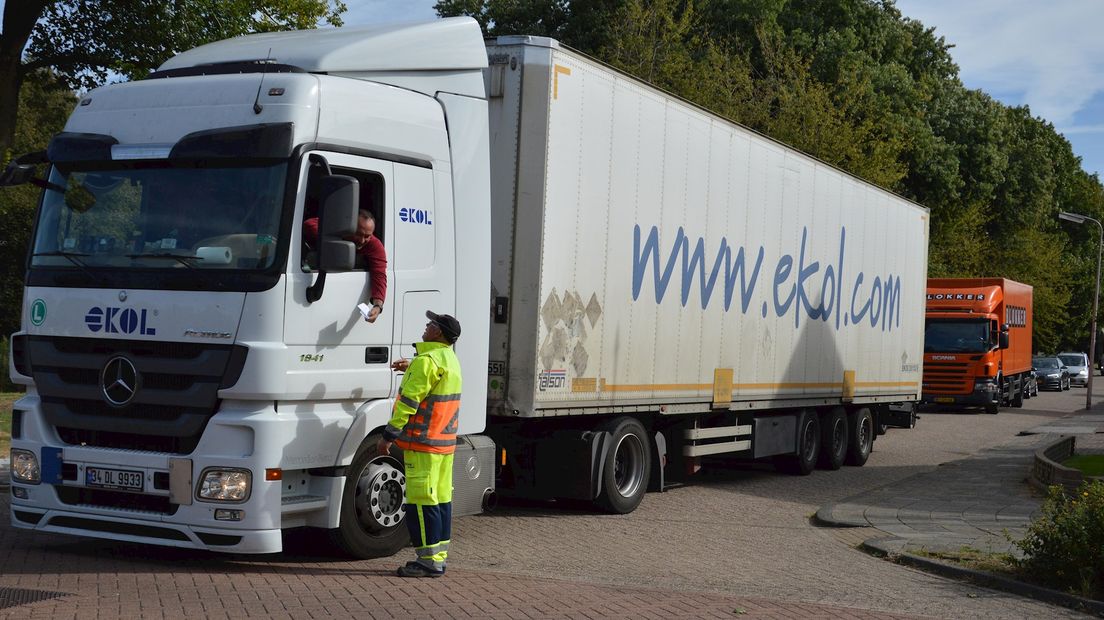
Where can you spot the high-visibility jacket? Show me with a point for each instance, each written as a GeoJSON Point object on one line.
{"type": "Point", "coordinates": [427, 411]}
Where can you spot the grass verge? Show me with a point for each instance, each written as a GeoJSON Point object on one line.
{"type": "Point", "coordinates": [1089, 464]}
{"type": "Point", "coordinates": [968, 557]}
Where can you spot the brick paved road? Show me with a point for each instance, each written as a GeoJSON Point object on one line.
{"type": "Point", "coordinates": [738, 543]}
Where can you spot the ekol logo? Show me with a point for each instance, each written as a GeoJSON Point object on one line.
{"type": "Point", "coordinates": [114, 320]}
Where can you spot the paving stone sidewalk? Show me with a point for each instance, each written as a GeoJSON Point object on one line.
{"type": "Point", "coordinates": [978, 502]}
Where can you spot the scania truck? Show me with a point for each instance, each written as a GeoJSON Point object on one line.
{"type": "Point", "coordinates": [641, 285]}
{"type": "Point", "coordinates": [977, 342]}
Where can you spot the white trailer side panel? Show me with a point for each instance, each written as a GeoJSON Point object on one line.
{"type": "Point", "coordinates": [656, 247]}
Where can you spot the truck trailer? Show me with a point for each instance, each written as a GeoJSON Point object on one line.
{"type": "Point", "coordinates": [977, 342]}
{"type": "Point", "coordinates": [641, 285]}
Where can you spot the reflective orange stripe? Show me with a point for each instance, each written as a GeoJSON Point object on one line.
{"type": "Point", "coordinates": [433, 427]}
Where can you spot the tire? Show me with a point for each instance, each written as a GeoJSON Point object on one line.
{"type": "Point", "coordinates": [1018, 397]}
{"type": "Point", "coordinates": [808, 446]}
{"type": "Point", "coordinates": [627, 466]}
{"type": "Point", "coordinates": [833, 439]}
{"type": "Point", "coordinates": [992, 408]}
{"type": "Point", "coordinates": [372, 507]}
{"type": "Point", "coordinates": [860, 426]}
{"type": "Point", "coordinates": [1066, 385]}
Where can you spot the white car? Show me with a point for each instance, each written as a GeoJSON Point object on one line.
{"type": "Point", "coordinates": [1078, 365]}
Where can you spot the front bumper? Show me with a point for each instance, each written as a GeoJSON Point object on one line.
{"type": "Point", "coordinates": [974, 399]}
{"type": "Point", "coordinates": [1079, 380]}
{"type": "Point", "coordinates": [1048, 383]}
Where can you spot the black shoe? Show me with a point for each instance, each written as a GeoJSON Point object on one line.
{"type": "Point", "coordinates": [414, 569]}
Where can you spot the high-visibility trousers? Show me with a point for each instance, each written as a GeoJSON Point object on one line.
{"type": "Point", "coordinates": [429, 505]}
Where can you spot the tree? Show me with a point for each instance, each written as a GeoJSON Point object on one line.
{"type": "Point", "coordinates": [81, 41]}
{"type": "Point", "coordinates": [46, 104]}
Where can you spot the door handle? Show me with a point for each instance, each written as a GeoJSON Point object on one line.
{"type": "Point", "coordinates": [376, 355]}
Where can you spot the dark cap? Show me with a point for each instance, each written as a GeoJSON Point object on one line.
{"type": "Point", "coordinates": [450, 327]}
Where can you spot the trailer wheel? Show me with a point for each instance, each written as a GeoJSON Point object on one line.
{"type": "Point", "coordinates": [372, 504]}
{"type": "Point", "coordinates": [808, 447]}
{"type": "Point", "coordinates": [861, 440]}
{"type": "Point", "coordinates": [627, 467]}
{"type": "Point", "coordinates": [833, 439]}
{"type": "Point", "coordinates": [992, 408]}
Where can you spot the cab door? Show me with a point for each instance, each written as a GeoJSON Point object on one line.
{"type": "Point", "coordinates": [334, 352]}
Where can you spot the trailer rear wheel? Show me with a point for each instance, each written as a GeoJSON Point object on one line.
{"type": "Point", "coordinates": [627, 467]}
{"type": "Point", "coordinates": [372, 504]}
{"type": "Point", "coordinates": [833, 439]}
{"type": "Point", "coordinates": [808, 447]}
{"type": "Point", "coordinates": [860, 423]}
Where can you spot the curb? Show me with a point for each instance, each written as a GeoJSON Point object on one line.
{"type": "Point", "coordinates": [825, 517]}
{"type": "Point", "coordinates": [876, 547]}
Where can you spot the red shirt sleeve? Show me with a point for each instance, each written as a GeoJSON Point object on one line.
{"type": "Point", "coordinates": [310, 231]}
{"type": "Point", "coordinates": [375, 255]}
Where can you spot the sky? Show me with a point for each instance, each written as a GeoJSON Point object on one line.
{"type": "Point", "coordinates": [1046, 55]}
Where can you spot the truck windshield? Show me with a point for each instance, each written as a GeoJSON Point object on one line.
{"type": "Point", "coordinates": [161, 216]}
{"type": "Point", "coordinates": [956, 336]}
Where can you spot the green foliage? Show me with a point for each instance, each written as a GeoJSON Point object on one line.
{"type": "Point", "coordinates": [84, 39]}
{"type": "Point", "coordinates": [1064, 548]}
{"type": "Point", "coordinates": [46, 103]}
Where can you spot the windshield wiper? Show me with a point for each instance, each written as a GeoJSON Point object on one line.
{"type": "Point", "coordinates": [72, 257]}
{"type": "Point", "coordinates": [183, 259]}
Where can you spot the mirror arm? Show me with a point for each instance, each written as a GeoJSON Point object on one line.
{"type": "Point", "coordinates": [314, 291]}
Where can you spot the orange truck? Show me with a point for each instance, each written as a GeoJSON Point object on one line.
{"type": "Point", "coordinates": [977, 342]}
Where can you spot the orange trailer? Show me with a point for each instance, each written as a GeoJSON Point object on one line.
{"type": "Point", "coordinates": [977, 342]}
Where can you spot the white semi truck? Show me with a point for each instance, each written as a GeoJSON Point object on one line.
{"type": "Point", "coordinates": [642, 285]}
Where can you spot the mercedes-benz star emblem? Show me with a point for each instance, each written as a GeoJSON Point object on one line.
{"type": "Point", "coordinates": [120, 381]}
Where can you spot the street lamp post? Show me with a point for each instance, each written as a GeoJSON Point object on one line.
{"type": "Point", "coordinates": [1081, 219]}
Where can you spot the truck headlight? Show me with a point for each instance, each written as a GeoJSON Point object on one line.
{"type": "Point", "coordinates": [224, 485]}
{"type": "Point", "coordinates": [24, 466]}
{"type": "Point", "coordinates": [985, 385]}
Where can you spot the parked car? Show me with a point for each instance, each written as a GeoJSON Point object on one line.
{"type": "Point", "coordinates": [1078, 365]}
{"type": "Point", "coordinates": [1050, 373]}
{"type": "Point", "coordinates": [1031, 388]}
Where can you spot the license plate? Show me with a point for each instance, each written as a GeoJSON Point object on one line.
{"type": "Point", "coordinates": [944, 399]}
{"type": "Point", "coordinates": [113, 478]}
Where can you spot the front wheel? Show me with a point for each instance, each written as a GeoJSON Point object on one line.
{"type": "Point", "coordinates": [626, 468]}
{"type": "Point", "coordinates": [372, 507]}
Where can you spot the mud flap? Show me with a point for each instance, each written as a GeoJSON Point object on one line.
{"type": "Point", "coordinates": [570, 463]}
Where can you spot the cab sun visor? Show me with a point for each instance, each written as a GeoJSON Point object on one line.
{"type": "Point", "coordinates": [68, 147]}
{"type": "Point", "coordinates": [263, 141]}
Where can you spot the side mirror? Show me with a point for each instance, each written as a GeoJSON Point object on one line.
{"type": "Point", "coordinates": [22, 169]}
{"type": "Point", "coordinates": [337, 218]}
{"type": "Point", "coordinates": [340, 198]}
{"type": "Point", "coordinates": [17, 174]}
{"type": "Point", "coordinates": [1003, 340]}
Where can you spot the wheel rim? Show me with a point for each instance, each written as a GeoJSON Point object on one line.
{"type": "Point", "coordinates": [380, 494]}
{"type": "Point", "coordinates": [808, 447]}
{"type": "Point", "coordinates": [864, 432]}
{"type": "Point", "coordinates": [628, 465]}
{"type": "Point", "coordinates": [839, 434]}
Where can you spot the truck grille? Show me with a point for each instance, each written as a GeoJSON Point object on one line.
{"type": "Point", "coordinates": [947, 378]}
{"type": "Point", "coordinates": [175, 392]}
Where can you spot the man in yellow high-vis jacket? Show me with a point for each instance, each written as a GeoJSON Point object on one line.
{"type": "Point", "coordinates": [423, 424]}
